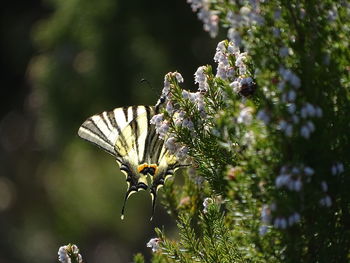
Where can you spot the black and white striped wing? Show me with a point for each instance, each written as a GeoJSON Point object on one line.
{"type": "Point", "coordinates": [106, 129]}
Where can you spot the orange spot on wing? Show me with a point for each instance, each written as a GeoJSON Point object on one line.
{"type": "Point", "coordinates": [141, 167]}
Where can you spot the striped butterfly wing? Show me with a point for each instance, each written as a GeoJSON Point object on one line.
{"type": "Point", "coordinates": [127, 134]}
{"type": "Point", "coordinates": [104, 129]}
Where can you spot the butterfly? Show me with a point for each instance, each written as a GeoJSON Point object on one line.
{"type": "Point", "coordinates": [126, 134]}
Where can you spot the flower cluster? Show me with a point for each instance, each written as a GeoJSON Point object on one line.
{"type": "Point", "coordinates": [191, 113]}
{"type": "Point", "coordinates": [284, 222]}
{"type": "Point", "coordinates": [209, 17]}
{"type": "Point", "coordinates": [292, 177]}
{"type": "Point", "coordinates": [326, 199]}
{"type": "Point", "coordinates": [162, 126]}
{"type": "Point", "coordinates": [69, 254]}
{"type": "Point", "coordinates": [172, 117]}
{"type": "Point", "coordinates": [298, 119]}
{"type": "Point", "coordinates": [201, 78]}
{"type": "Point", "coordinates": [197, 99]}
{"type": "Point", "coordinates": [240, 17]}
{"type": "Point", "coordinates": [337, 168]}
{"type": "Point", "coordinates": [281, 222]}
{"type": "Point", "coordinates": [223, 57]}
{"type": "Point", "coordinates": [232, 66]}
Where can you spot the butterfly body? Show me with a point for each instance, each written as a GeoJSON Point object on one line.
{"type": "Point", "coordinates": [126, 133]}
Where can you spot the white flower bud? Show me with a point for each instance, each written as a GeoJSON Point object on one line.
{"type": "Point", "coordinates": [263, 230]}
{"type": "Point", "coordinates": [178, 77]}
{"type": "Point", "coordinates": [283, 223]}
{"type": "Point", "coordinates": [170, 144]}
{"type": "Point", "coordinates": [199, 75]}
{"type": "Point", "coordinates": [282, 125]}
{"type": "Point", "coordinates": [292, 95]}
{"type": "Point", "coordinates": [295, 170]}
{"type": "Point", "coordinates": [182, 153]}
{"type": "Point", "coordinates": [309, 170]}
{"type": "Point", "coordinates": [186, 123]}
{"type": "Point", "coordinates": [154, 244]}
{"type": "Point", "coordinates": [207, 201]}
{"type": "Point", "coordinates": [297, 185]}
{"type": "Point", "coordinates": [169, 107]}
{"type": "Point", "coordinates": [69, 252]}
{"type": "Point", "coordinates": [185, 94]}
{"type": "Point", "coordinates": [311, 126]}
{"type": "Point", "coordinates": [324, 186]}
{"type": "Point", "coordinates": [311, 111]}
{"type": "Point", "coordinates": [291, 108]}
{"type": "Point", "coordinates": [334, 170]}
{"type": "Point", "coordinates": [157, 119]}
{"type": "Point", "coordinates": [305, 132]}
{"type": "Point", "coordinates": [263, 116]}
{"type": "Point", "coordinates": [340, 168]}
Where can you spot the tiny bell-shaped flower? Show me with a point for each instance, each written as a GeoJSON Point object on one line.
{"type": "Point", "coordinates": [69, 254]}
{"type": "Point", "coordinates": [207, 201]}
{"type": "Point", "coordinates": [178, 77]}
{"type": "Point", "coordinates": [154, 244]}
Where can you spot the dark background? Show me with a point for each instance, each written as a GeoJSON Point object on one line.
{"type": "Point", "coordinates": [63, 61]}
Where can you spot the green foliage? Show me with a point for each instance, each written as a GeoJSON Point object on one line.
{"type": "Point", "coordinates": [138, 258]}
{"type": "Point", "coordinates": [268, 133]}
{"type": "Point", "coordinates": [211, 242]}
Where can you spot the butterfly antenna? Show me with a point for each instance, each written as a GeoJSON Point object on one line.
{"type": "Point", "coordinates": [148, 84]}
{"type": "Point", "coordinates": [161, 100]}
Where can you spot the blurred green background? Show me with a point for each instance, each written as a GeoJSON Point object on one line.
{"type": "Point", "coordinates": [63, 61]}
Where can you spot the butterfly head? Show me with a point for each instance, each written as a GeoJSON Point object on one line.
{"type": "Point", "coordinates": [160, 103]}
